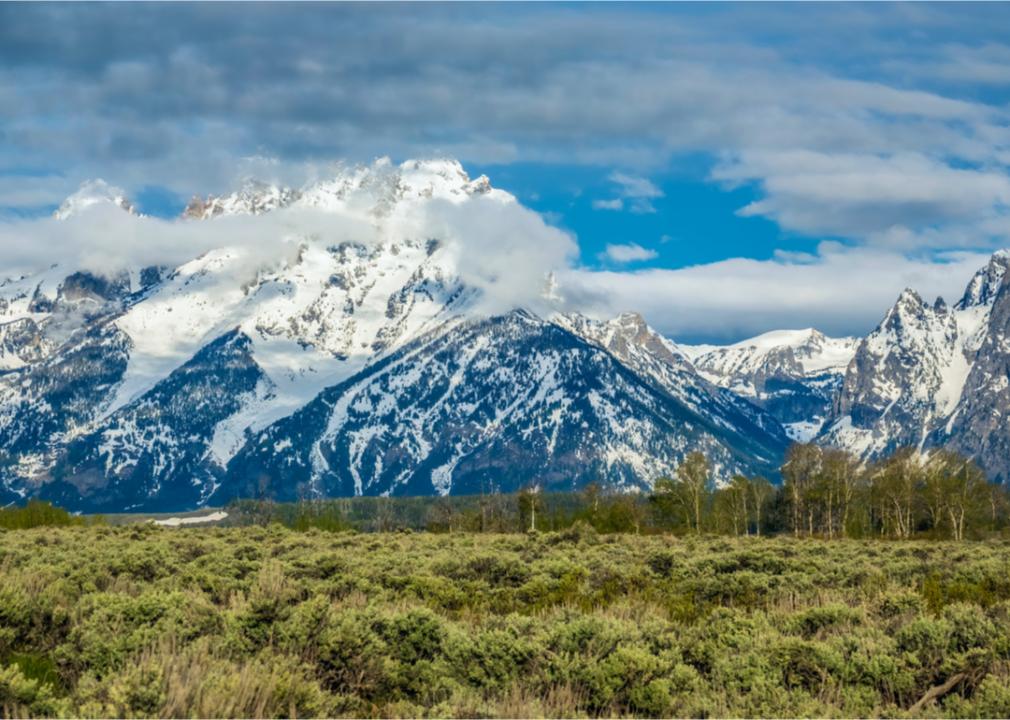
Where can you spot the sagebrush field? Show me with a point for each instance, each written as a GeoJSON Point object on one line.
{"type": "Point", "coordinates": [266, 621]}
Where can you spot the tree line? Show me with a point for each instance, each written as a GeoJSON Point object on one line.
{"type": "Point", "coordinates": [37, 513]}
{"type": "Point", "coordinates": [830, 493]}
{"type": "Point", "coordinates": [824, 492]}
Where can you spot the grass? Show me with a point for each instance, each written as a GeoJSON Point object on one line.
{"type": "Point", "coordinates": [270, 622]}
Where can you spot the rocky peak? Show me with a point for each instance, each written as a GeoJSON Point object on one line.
{"type": "Point", "coordinates": [978, 425]}
{"type": "Point", "coordinates": [254, 197]}
{"type": "Point", "coordinates": [375, 189]}
{"type": "Point", "coordinates": [631, 324]}
{"type": "Point", "coordinates": [909, 300]}
{"type": "Point", "coordinates": [909, 319]}
{"type": "Point", "coordinates": [625, 336]}
{"type": "Point", "coordinates": [986, 282]}
{"type": "Point", "coordinates": [85, 286]}
{"type": "Point", "coordinates": [92, 193]}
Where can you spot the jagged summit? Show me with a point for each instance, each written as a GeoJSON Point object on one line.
{"type": "Point", "coordinates": [91, 193]}
{"type": "Point", "coordinates": [908, 295]}
{"type": "Point", "coordinates": [377, 188]}
{"type": "Point", "coordinates": [340, 361]}
{"type": "Point", "coordinates": [252, 198]}
{"type": "Point", "coordinates": [908, 384]}
{"type": "Point", "coordinates": [986, 282]}
{"type": "Point", "coordinates": [367, 363]}
{"type": "Point", "coordinates": [792, 374]}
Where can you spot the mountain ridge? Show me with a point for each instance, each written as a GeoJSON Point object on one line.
{"type": "Point", "coordinates": [349, 364]}
{"type": "Point", "coordinates": [162, 380]}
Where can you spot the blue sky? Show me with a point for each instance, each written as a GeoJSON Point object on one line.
{"type": "Point", "coordinates": [692, 222]}
{"type": "Point", "coordinates": [725, 168]}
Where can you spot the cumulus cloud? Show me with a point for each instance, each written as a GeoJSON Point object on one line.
{"type": "Point", "coordinates": [898, 142]}
{"type": "Point", "coordinates": [632, 252]}
{"type": "Point", "coordinates": [504, 249]}
{"type": "Point", "coordinates": [500, 248]}
{"type": "Point", "coordinates": [840, 291]}
{"type": "Point", "coordinates": [859, 195]}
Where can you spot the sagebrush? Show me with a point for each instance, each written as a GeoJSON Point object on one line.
{"type": "Point", "coordinates": [269, 622]}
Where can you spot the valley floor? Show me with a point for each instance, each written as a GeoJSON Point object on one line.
{"type": "Point", "coordinates": [268, 622]}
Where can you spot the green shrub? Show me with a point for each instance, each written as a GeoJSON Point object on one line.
{"type": "Point", "coordinates": [23, 696]}
{"type": "Point", "coordinates": [265, 621]}
{"type": "Point", "coordinates": [827, 617]}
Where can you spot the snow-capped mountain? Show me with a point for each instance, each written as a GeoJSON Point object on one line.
{"type": "Point", "coordinates": [489, 403]}
{"type": "Point", "coordinates": [376, 190]}
{"type": "Point", "coordinates": [793, 374]}
{"type": "Point", "coordinates": [978, 425]}
{"type": "Point", "coordinates": [927, 376]}
{"type": "Point", "coordinates": [352, 359]}
{"type": "Point", "coordinates": [629, 339]}
{"type": "Point", "coordinates": [350, 348]}
{"type": "Point", "coordinates": [932, 375]}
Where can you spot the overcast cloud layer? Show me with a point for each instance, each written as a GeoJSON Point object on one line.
{"type": "Point", "coordinates": [883, 129]}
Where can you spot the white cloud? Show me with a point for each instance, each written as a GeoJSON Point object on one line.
{"type": "Point", "coordinates": [507, 250]}
{"type": "Point", "coordinates": [841, 291]}
{"type": "Point", "coordinates": [958, 63]}
{"type": "Point", "coordinates": [638, 191]}
{"type": "Point", "coordinates": [501, 248]}
{"type": "Point", "coordinates": [631, 186]}
{"type": "Point", "coordinates": [642, 206]}
{"type": "Point", "coordinates": [865, 195]}
{"type": "Point", "coordinates": [632, 252]}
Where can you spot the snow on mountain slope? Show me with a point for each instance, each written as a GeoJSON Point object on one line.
{"type": "Point", "coordinates": [25, 306]}
{"type": "Point", "coordinates": [317, 318]}
{"type": "Point", "coordinates": [328, 306]}
{"type": "Point", "coordinates": [804, 352]}
{"type": "Point", "coordinates": [157, 453]}
{"type": "Point", "coordinates": [46, 403]}
{"type": "Point", "coordinates": [907, 385]}
{"type": "Point", "coordinates": [905, 374]}
{"type": "Point", "coordinates": [496, 403]}
{"type": "Point", "coordinates": [377, 190]}
{"type": "Point", "coordinates": [124, 371]}
{"type": "Point", "coordinates": [793, 374]}
{"type": "Point", "coordinates": [978, 425]}
{"type": "Point", "coordinates": [639, 347]}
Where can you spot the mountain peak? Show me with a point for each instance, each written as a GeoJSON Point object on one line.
{"type": "Point", "coordinates": [253, 197]}
{"type": "Point", "coordinates": [908, 295]}
{"type": "Point", "coordinates": [91, 193]}
{"type": "Point", "coordinates": [631, 320]}
{"type": "Point", "coordinates": [377, 188]}
{"type": "Point", "coordinates": [986, 282]}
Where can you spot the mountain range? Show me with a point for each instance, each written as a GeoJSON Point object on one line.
{"type": "Point", "coordinates": [353, 362]}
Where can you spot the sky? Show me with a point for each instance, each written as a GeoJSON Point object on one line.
{"type": "Point", "coordinates": [725, 169]}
